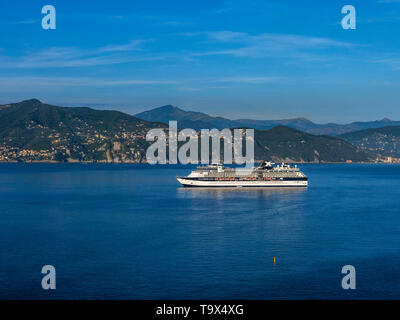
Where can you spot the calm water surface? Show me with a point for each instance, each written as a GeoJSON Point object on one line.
{"type": "Point", "coordinates": [131, 232]}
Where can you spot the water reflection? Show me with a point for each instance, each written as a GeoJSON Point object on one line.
{"type": "Point", "coordinates": [219, 193]}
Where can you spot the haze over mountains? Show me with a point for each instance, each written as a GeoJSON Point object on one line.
{"type": "Point", "coordinates": [199, 120]}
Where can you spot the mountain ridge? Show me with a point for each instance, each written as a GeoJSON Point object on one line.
{"type": "Point", "coordinates": [200, 120]}
{"type": "Point", "coordinates": [34, 131]}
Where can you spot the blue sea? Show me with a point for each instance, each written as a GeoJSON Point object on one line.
{"type": "Point", "coordinates": [122, 231]}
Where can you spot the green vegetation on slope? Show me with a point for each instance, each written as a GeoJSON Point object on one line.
{"type": "Point", "coordinates": [33, 131]}
{"type": "Point", "coordinates": [381, 141]}
{"type": "Point", "coordinates": [287, 144]}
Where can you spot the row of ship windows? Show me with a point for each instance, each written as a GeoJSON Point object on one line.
{"type": "Point", "coordinates": [247, 179]}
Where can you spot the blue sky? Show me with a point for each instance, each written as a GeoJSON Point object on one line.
{"type": "Point", "coordinates": [238, 59]}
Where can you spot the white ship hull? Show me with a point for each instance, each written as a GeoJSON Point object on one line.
{"type": "Point", "coordinates": [232, 184]}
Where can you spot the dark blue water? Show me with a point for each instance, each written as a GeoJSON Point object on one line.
{"type": "Point", "coordinates": [131, 232]}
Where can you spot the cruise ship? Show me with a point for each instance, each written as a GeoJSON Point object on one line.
{"type": "Point", "coordinates": [266, 175]}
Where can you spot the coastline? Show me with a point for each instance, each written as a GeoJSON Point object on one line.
{"type": "Point", "coordinates": [141, 163]}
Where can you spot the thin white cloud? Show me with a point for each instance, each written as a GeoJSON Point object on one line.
{"type": "Point", "coordinates": [175, 23]}
{"type": "Point", "coordinates": [379, 19]}
{"type": "Point", "coordinates": [187, 89]}
{"type": "Point", "coordinates": [24, 22]}
{"type": "Point", "coordinates": [241, 44]}
{"type": "Point", "coordinates": [16, 83]}
{"type": "Point", "coordinates": [388, 1]}
{"type": "Point", "coordinates": [222, 10]}
{"type": "Point", "coordinates": [393, 63]}
{"type": "Point", "coordinates": [131, 46]}
{"type": "Point", "coordinates": [61, 57]}
{"type": "Point", "coordinates": [251, 80]}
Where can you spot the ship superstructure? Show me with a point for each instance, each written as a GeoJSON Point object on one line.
{"type": "Point", "coordinates": [265, 175]}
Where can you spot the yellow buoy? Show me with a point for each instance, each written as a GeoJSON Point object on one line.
{"type": "Point", "coordinates": [274, 260]}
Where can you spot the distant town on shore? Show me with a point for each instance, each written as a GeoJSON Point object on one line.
{"type": "Point", "coordinates": [32, 131]}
